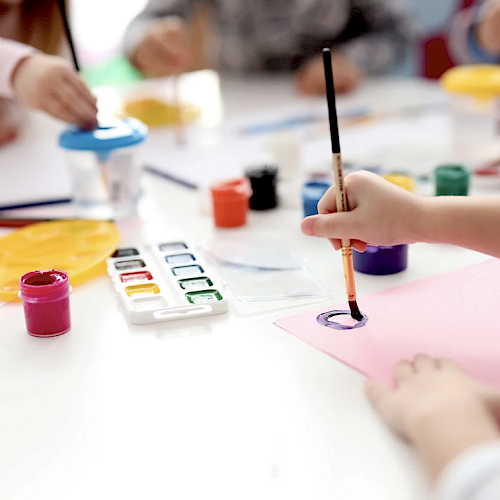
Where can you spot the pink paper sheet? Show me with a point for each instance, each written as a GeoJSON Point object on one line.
{"type": "Point", "coordinates": [454, 315]}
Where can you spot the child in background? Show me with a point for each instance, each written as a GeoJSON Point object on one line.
{"type": "Point", "coordinates": [263, 35]}
{"type": "Point", "coordinates": [475, 34]}
{"type": "Point", "coordinates": [452, 420]}
{"type": "Point", "coordinates": [42, 81]}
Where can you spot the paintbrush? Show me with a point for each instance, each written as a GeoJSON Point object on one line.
{"type": "Point", "coordinates": [64, 16]}
{"type": "Point", "coordinates": [338, 172]}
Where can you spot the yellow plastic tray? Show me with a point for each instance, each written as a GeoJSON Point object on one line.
{"type": "Point", "coordinates": [78, 247]}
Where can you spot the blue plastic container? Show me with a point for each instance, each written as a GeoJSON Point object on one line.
{"type": "Point", "coordinates": [105, 167]}
{"type": "Point", "coordinates": [312, 192]}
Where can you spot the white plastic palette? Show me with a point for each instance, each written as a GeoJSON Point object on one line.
{"type": "Point", "coordinates": [164, 282]}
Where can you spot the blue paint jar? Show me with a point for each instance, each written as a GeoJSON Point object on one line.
{"type": "Point", "coordinates": [381, 260]}
{"type": "Point", "coordinates": [312, 192]}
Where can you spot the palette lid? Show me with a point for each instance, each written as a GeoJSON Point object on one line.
{"type": "Point", "coordinates": [107, 136]}
{"type": "Point", "coordinates": [260, 268]}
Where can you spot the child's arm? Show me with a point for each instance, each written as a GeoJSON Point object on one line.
{"type": "Point", "coordinates": [384, 214]}
{"type": "Point", "coordinates": [11, 53]}
{"type": "Point", "coordinates": [49, 84]}
{"type": "Point", "coordinates": [156, 41]}
{"type": "Point", "coordinates": [45, 82]}
{"type": "Point", "coordinates": [446, 416]}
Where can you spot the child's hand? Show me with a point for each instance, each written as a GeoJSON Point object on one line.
{"type": "Point", "coordinates": [438, 408]}
{"type": "Point", "coordinates": [489, 28]}
{"type": "Point", "coordinates": [310, 79]}
{"type": "Point", "coordinates": [164, 50]}
{"type": "Point", "coordinates": [48, 83]}
{"type": "Point", "coordinates": [10, 118]}
{"type": "Point", "coordinates": [427, 387]}
{"type": "Point", "coordinates": [381, 214]}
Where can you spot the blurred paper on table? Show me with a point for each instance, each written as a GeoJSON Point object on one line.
{"type": "Point", "coordinates": [33, 170]}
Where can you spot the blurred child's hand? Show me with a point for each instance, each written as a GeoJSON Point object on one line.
{"type": "Point", "coordinates": [10, 119]}
{"type": "Point", "coordinates": [164, 50]}
{"type": "Point", "coordinates": [310, 79]}
{"type": "Point", "coordinates": [48, 83]}
{"type": "Point", "coordinates": [427, 388]}
{"type": "Point", "coordinates": [381, 214]}
{"type": "Point", "coordinates": [489, 28]}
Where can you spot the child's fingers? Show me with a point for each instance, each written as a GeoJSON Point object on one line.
{"type": "Point", "coordinates": [171, 52]}
{"type": "Point", "coordinates": [328, 203]}
{"type": "Point", "coordinates": [7, 136]}
{"type": "Point", "coordinates": [360, 246]}
{"type": "Point", "coordinates": [421, 362]}
{"type": "Point", "coordinates": [157, 57]}
{"type": "Point", "coordinates": [336, 244]}
{"type": "Point", "coordinates": [447, 364]}
{"type": "Point", "coordinates": [82, 90]}
{"type": "Point", "coordinates": [403, 370]}
{"type": "Point", "coordinates": [82, 112]}
{"type": "Point", "coordinates": [335, 226]}
{"type": "Point", "coordinates": [377, 393]}
{"type": "Point", "coordinates": [57, 108]}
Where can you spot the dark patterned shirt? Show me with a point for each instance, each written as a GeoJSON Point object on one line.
{"type": "Point", "coordinates": [281, 34]}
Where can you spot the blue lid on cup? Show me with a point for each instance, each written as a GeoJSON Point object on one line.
{"type": "Point", "coordinates": [108, 136]}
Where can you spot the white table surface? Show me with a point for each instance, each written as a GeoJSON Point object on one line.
{"type": "Point", "coordinates": [228, 407]}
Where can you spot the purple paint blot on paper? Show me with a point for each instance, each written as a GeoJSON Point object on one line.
{"type": "Point", "coordinates": [324, 319]}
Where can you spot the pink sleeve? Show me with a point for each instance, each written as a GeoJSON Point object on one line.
{"type": "Point", "coordinates": [10, 55]}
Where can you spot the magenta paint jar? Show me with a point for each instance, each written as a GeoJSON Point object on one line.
{"type": "Point", "coordinates": [45, 296]}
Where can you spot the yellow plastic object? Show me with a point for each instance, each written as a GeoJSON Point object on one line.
{"type": "Point", "coordinates": [479, 80]}
{"type": "Point", "coordinates": [403, 181]}
{"type": "Point", "coordinates": [78, 247]}
{"type": "Point", "coordinates": [157, 113]}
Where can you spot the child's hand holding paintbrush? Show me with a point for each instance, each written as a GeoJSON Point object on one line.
{"type": "Point", "coordinates": [384, 214]}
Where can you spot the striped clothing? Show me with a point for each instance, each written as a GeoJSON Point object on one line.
{"type": "Point", "coordinates": [253, 35]}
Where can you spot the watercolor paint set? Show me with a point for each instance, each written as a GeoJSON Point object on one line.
{"type": "Point", "coordinates": [165, 282]}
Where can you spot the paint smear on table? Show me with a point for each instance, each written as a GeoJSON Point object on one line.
{"type": "Point", "coordinates": [454, 315]}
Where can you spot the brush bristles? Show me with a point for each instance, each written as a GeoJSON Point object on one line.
{"type": "Point", "coordinates": [355, 312]}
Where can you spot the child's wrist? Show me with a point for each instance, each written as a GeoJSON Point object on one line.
{"type": "Point", "coordinates": [18, 70]}
{"type": "Point", "coordinates": [442, 433]}
{"type": "Point", "coordinates": [420, 220]}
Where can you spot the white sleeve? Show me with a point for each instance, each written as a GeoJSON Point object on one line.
{"type": "Point", "coordinates": [474, 475]}
{"type": "Point", "coordinates": [11, 53]}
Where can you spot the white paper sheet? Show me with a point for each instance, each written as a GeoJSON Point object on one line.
{"type": "Point", "coordinates": [33, 168]}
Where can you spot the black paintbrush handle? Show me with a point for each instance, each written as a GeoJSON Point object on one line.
{"type": "Point", "coordinates": [62, 8]}
{"type": "Point", "coordinates": [330, 97]}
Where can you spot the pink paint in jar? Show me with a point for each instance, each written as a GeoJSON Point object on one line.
{"type": "Point", "coordinates": [45, 296]}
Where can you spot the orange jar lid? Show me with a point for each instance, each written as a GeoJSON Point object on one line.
{"type": "Point", "coordinates": [231, 190]}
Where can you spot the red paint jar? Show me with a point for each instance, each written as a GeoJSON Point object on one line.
{"type": "Point", "coordinates": [231, 202]}
{"type": "Point", "coordinates": [45, 296]}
